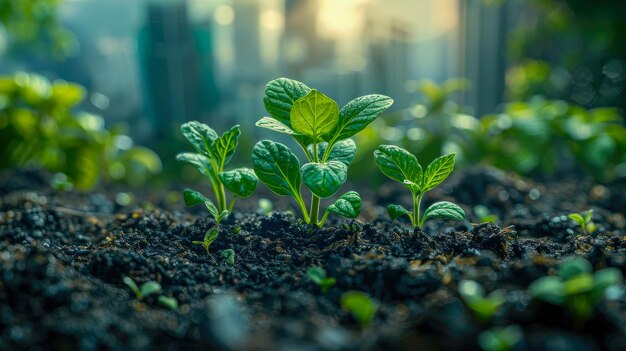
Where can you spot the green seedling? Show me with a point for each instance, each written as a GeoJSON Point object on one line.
{"type": "Point", "coordinates": [323, 131]}
{"type": "Point", "coordinates": [360, 305]}
{"type": "Point", "coordinates": [229, 254]}
{"type": "Point", "coordinates": [484, 215]}
{"type": "Point", "coordinates": [212, 154]}
{"type": "Point", "coordinates": [584, 221]}
{"type": "Point", "coordinates": [169, 303]}
{"type": "Point", "coordinates": [576, 287]}
{"type": "Point", "coordinates": [500, 339]}
{"type": "Point", "coordinates": [318, 276]}
{"type": "Point", "coordinates": [148, 288]}
{"type": "Point", "coordinates": [402, 166]}
{"type": "Point", "coordinates": [483, 306]}
{"type": "Point", "coordinates": [209, 237]}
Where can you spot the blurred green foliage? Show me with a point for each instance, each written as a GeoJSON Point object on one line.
{"type": "Point", "coordinates": [32, 25]}
{"type": "Point", "coordinates": [39, 126]}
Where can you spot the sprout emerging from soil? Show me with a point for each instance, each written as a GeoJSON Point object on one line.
{"type": "Point", "coordinates": [148, 288]}
{"type": "Point", "coordinates": [318, 276]}
{"type": "Point", "coordinates": [229, 254]}
{"type": "Point", "coordinates": [584, 221]}
{"type": "Point", "coordinates": [323, 131]}
{"type": "Point", "coordinates": [361, 307]}
{"type": "Point", "coordinates": [402, 166]}
{"type": "Point", "coordinates": [484, 306]}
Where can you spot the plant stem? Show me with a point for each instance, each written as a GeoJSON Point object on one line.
{"type": "Point", "coordinates": [315, 209]}
{"type": "Point", "coordinates": [300, 202]}
{"type": "Point", "coordinates": [417, 201]}
{"type": "Point", "coordinates": [323, 220]}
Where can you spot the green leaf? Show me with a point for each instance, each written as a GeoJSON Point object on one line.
{"type": "Point", "coordinates": [437, 171]}
{"type": "Point", "coordinates": [398, 164]}
{"type": "Point", "coordinates": [229, 254]}
{"type": "Point", "coordinates": [199, 161]}
{"type": "Point", "coordinates": [549, 289]}
{"type": "Point", "coordinates": [347, 205]}
{"type": "Point", "coordinates": [588, 216]}
{"type": "Point", "coordinates": [605, 278]}
{"type": "Point", "coordinates": [343, 151]}
{"type": "Point", "coordinates": [396, 211]}
{"type": "Point", "coordinates": [316, 274]}
{"type": "Point", "coordinates": [359, 304]}
{"type": "Point", "coordinates": [169, 303]}
{"type": "Point", "coordinates": [275, 125]}
{"type": "Point", "coordinates": [573, 266]}
{"type": "Point", "coordinates": [577, 218]}
{"type": "Point", "coordinates": [150, 288]}
{"type": "Point", "coordinates": [240, 181]}
{"type": "Point", "coordinates": [359, 113]}
{"type": "Point", "coordinates": [200, 135]}
{"type": "Point", "coordinates": [224, 147]}
{"type": "Point", "coordinates": [212, 209]}
{"type": "Point", "coordinates": [192, 197]}
{"type": "Point", "coordinates": [314, 115]}
{"type": "Point", "coordinates": [444, 210]}
{"type": "Point", "coordinates": [280, 95]}
{"type": "Point", "coordinates": [277, 167]}
{"type": "Point", "coordinates": [324, 179]}
{"type": "Point", "coordinates": [210, 236]}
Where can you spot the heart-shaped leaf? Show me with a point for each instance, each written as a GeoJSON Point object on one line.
{"type": "Point", "coordinates": [359, 113]}
{"type": "Point", "coordinates": [199, 161]}
{"type": "Point", "coordinates": [324, 179]}
{"type": "Point", "coordinates": [396, 211]}
{"type": "Point", "coordinates": [275, 125]}
{"type": "Point", "coordinates": [343, 151]}
{"type": "Point", "coordinates": [280, 95]}
{"type": "Point", "coordinates": [150, 288]}
{"type": "Point", "coordinates": [314, 115]}
{"type": "Point", "coordinates": [241, 181]}
{"type": "Point", "coordinates": [444, 210]}
{"type": "Point", "coordinates": [277, 167]}
{"type": "Point", "coordinates": [347, 205]}
{"type": "Point", "coordinates": [192, 197]}
{"type": "Point", "coordinates": [398, 164]}
{"type": "Point", "coordinates": [437, 171]}
{"type": "Point", "coordinates": [200, 135]}
{"type": "Point", "coordinates": [224, 146]}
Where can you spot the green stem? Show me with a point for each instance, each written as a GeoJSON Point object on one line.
{"type": "Point", "coordinates": [232, 204]}
{"type": "Point", "coordinates": [323, 220]}
{"type": "Point", "coordinates": [300, 202]}
{"type": "Point", "coordinates": [315, 209]}
{"type": "Point", "coordinates": [417, 202]}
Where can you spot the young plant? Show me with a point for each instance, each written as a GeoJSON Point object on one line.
{"type": "Point", "coordinates": [229, 254]}
{"type": "Point", "coordinates": [169, 303]}
{"type": "Point", "coordinates": [148, 288]}
{"type": "Point", "coordinates": [212, 154]}
{"type": "Point", "coordinates": [318, 276]}
{"type": "Point", "coordinates": [576, 287]}
{"type": "Point", "coordinates": [323, 131]}
{"type": "Point", "coordinates": [484, 306]}
{"type": "Point", "coordinates": [584, 221]}
{"type": "Point", "coordinates": [402, 166]}
{"type": "Point", "coordinates": [500, 338]}
{"type": "Point", "coordinates": [361, 306]}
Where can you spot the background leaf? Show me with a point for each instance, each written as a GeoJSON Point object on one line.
{"type": "Point", "coordinates": [398, 164]}
{"type": "Point", "coordinates": [347, 205]}
{"type": "Point", "coordinates": [192, 197]}
{"type": "Point", "coordinates": [314, 115]}
{"type": "Point", "coordinates": [324, 179]}
{"type": "Point", "coordinates": [224, 147]}
{"type": "Point", "coordinates": [241, 181]}
{"type": "Point", "coordinates": [359, 113]}
{"type": "Point", "coordinates": [343, 151]}
{"type": "Point", "coordinates": [200, 135]}
{"type": "Point", "coordinates": [396, 211]}
{"type": "Point", "coordinates": [280, 95]}
{"type": "Point", "coordinates": [437, 171]}
{"type": "Point", "coordinates": [277, 167]}
{"type": "Point", "coordinates": [444, 210]}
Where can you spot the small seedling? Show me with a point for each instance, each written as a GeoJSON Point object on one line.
{"type": "Point", "coordinates": [148, 288]}
{"type": "Point", "coordinates": [229, 254]}
{"type": "Point", "coordinates": [484, 215]}
{"type": "Point", "coordinates": [167, 302]}
{"type": "Point", "coordinates": [500, 338]}
{"type": "Point", "coordinates": [576, 287]}
{"type": "Point", "coordinates": [209, 237]}
{"type": "Point", "coordinates": [584, 221]}
{"type": "Point", "coordinates": [318, 276]}
{"type": "Point", "coordinates": [212, 154]}
{"type": "Point", "coordinates": [402, 166]}
{"type": "Point", "coordinates": [483, 306]}
{"type": "Point", "coordinates": [360, 305]}
{"type": "Point", "coordinates": [323, 131]}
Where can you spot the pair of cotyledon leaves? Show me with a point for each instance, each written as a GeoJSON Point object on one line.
{"type": "Point", "coordinates": [315, 121]}
{"type": "Point", "coordinates": [213, 152]}
{"type": "Point", "coordinates": [402, 166]}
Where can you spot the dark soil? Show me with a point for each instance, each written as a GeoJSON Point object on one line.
{"type": "Point", "coordinates": [63, 256]}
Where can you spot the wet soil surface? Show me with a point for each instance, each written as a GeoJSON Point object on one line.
{"type": "Point", "coordinates": [63, 256]}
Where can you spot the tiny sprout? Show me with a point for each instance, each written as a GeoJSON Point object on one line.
{"type": "Point", "coordinates": [318, 276]}
{"type": "Point", "coordinates": [500, 338]}
{"type": "Point", "coordinates": [265, 207]}
{"type": "Point", "coordinates": [167, 302]}
{"type": "Point", "coordinates": [229, 254]}
{"type": "Point", "coordinates": [484, 215]}
{"type": "Point", "coordinates": [484, 307]}
{"type": "Point", "coordinates": [149, 288]}
{"type": "Point", "coordinates": [402, 166]}
{"type": "Point", "coordinates": [209, 237]}
{"type": "Point", "coordinates": [360, 305]}
{"type": "Point", "coordinates": [584, 221]}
